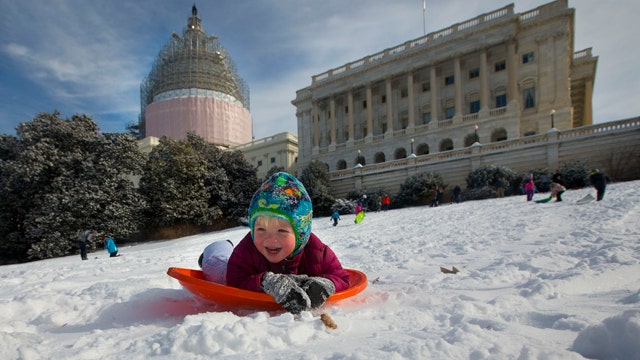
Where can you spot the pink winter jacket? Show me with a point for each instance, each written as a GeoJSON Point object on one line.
{"type": "Point", "coordinates": [247, 266]}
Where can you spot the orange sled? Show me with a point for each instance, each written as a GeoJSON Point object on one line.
{"type": "Point", "coordinates": [194, 282]}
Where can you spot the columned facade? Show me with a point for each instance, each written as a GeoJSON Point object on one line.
{"type": "Point", "coordinates": [502, 72]}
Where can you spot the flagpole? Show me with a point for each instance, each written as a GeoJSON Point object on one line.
{"type": "Point", "coordinates": [424, 21]}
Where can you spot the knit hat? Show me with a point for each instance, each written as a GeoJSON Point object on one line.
{"type": "Point", "coordinates": [284, 197]}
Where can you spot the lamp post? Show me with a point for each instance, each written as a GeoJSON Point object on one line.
{"type": "Point", "coordinates": [358, 160]}
{"type": "Point", "coordinates": [475, 134]}
{"type": "Point", "coordinates": [412, 145]}
{"type": "Point", "coordinates": [553, 125]}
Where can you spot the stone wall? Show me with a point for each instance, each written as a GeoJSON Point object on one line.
{"type": "Point", "coordinates": [612, 147]}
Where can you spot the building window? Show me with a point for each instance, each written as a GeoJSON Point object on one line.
{"type": "Point", "coordinates": [529, 98]}
{"type": "Point", "coordinates": [449, 80]}
{"type": "Point", "coordinates": [346, 109]}
{"type": "Point", "coordinates": [474, 73]}
{"type": "Point", "coordinates": [364, 104]}
{"type": "Point", "coordinates": [426, 118]}
{"type": "Point", "coordinates": [501, 101]}
{"type": "Point", "coordinates": [449, 112]}
{"type": "Point", "coordinates": [383, 99]}
{"type": "Point", "coordinates": [259, 162]}
{"type": "Point", "coordinates": [500, 65]}
{"type": "Point", "coordinates": [474, 107]}
{"type": "Point", "coordinates": [404, 93]}
{"type": "Point", "coordinates": [527, 58]}
{"type": "Point", "coordinates": [426, 86]}
{"type": "Point", "coordinates": [273, 160]}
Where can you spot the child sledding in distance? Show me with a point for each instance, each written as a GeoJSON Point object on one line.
{"type": "Point", "coordinates": [280, 255]}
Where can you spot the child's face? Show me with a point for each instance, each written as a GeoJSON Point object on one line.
{"type": "Point", "coordinates": [274, 238]}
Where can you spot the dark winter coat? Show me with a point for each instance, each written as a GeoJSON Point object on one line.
{"type": "Point", "coordinates": [247, 266]}
{"type": "Point", "coordinates": [598, 180]}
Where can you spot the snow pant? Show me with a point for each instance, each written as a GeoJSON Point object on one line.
{"type": "Point", "coordinates": [559, 195]}
{"type": "Point", "coordinates": [113, 254]}
{"type": "Point", "coordinates": [335, 222]}
{"type": "Point", "coordinates": [83, 250]}
{"type": "Point", "coordinates": [600, 194]}
{"type": "Point", "coordinates": [529, 195]}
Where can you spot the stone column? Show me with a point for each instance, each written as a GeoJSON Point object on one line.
{"type": "Point", "coordinates": [484, 85]}
{"type": "Point", "coordinates": [389, 132]}
{"type": "Point", "coordinates": [588, 110]}
{"type": "Point", "coordinates": [433, 88]}
{"type": "Point", "coordinates": [412, 116]}
{"type": "Point", "coordinates": [457, 78]}
{"type": "Point", "coordinates": [350, 115]}
{"type": "Point", "coordinates": [369, 136]}
{"type": "Point", "coordinates": [332, 121]}
{"type": "Point", "coordinates": [512, 67]}
{"type": "Point", "coordinates": [316, 132]}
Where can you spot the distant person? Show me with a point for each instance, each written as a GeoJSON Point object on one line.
{"type": "Point", "coordinates": [110, 246]}
{"type": "Point", "coordinates": [386, 202]}
{"type": "Point", "coordinates": [84, 239]}
{"type": "Point", "coordinates": [599, 181]}
{"type": "Point", "coordinates": [529, 187]}
{"type": "Point", "coordinates": [545, 182]}
{"type": "Point", "coordinates": [335, 217]}
{"type": "Point", "coordinates": [500, 185]}
{"type": "Point", "coordinates": [213, 261]}
{"type": "Point", "coordinates": [457, 194]}
{"type": "Point", "coordinates": [557, 190]}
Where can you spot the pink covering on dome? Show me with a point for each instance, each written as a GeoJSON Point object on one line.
{"type": "Point", "coordinates": [217, 121]}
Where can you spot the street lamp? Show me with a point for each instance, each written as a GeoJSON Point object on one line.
{"type": "Point", "coordinates": [412, 145]}
{"type": "Point", "coordinates": [475, 134]}
{"type": "Point", "coordinates": [358, 160]}
{"type": "Point", "coordinates": [553, 111]}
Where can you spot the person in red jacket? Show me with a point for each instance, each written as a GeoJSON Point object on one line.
{"type": "Point", "coordinates": [280, 255]}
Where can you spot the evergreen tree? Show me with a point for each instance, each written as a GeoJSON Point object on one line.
{"type": "Point", "coordinates": [230, 179]}
{"type": "Point", "coordinates": [243, 183]}
{"type": "Point", "coordinates": [64, 178]}
{"type": "Point", "coordinates": [174, 185]}
{"type": "Point", "coordinates": [315, 179]}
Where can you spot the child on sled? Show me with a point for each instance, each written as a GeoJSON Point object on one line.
{"type": "Point", "coordinates": [280, 255]}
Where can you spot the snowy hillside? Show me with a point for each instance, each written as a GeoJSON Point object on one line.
{"type": "Point", "coordinates": [536, 281]}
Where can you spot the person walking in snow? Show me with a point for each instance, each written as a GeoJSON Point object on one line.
{"type": "Point", "coordinates": [335, 217]}
{"type": "Point", "coordinates": [280, 255]}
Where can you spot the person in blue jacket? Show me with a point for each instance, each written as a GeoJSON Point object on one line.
{"type": "Point", "coordinates": [110, 246]}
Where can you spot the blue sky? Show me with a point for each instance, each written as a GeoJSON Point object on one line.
{"type": "Point", "coordinates": [90, 57]}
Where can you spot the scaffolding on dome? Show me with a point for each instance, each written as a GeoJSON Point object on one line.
{"type": "Point", "coordinates": [193, 61]}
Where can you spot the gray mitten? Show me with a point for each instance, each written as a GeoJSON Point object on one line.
{"type": "Point", "coordinates": [286, 292]}
{"type": "Point", "coordinates": [318, 289]}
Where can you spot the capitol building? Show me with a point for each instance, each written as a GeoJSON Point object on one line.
{"type": "Point", "coordinates": [499, 76]}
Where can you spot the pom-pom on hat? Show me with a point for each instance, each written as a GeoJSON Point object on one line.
{"type": "Point", "coordinates": [284, 197]}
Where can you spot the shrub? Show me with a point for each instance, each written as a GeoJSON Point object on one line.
{"type": "Point", "coordinates": [488, 177]}
{"type": "Point", "coordinates": [415, 190]}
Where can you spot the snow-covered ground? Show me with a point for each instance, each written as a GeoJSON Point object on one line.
{"type": "Point", "coordinates": [536, 281]}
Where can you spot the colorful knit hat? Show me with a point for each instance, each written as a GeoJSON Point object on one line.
{"type": "Point", "coordinates": [284, 197]}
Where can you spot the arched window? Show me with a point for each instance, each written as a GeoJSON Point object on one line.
{"type": "Point", "coordinates": [379, 158]}
{"type": "Point", "coordinates": [499, 134]}
{"type": "Point", "coordinates": [446, 145]}
{"type": "Point", "coordinates": [341, 165]}
{"type": "Point", "coordinates": [422, 149]}
{"type": "Point", "coordinates": [400, 153]}
{"type": "Point", "coordinates": [469, 139]}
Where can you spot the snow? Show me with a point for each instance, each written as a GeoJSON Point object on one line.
{"type": "Point", "coordinates": [536, 281]}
